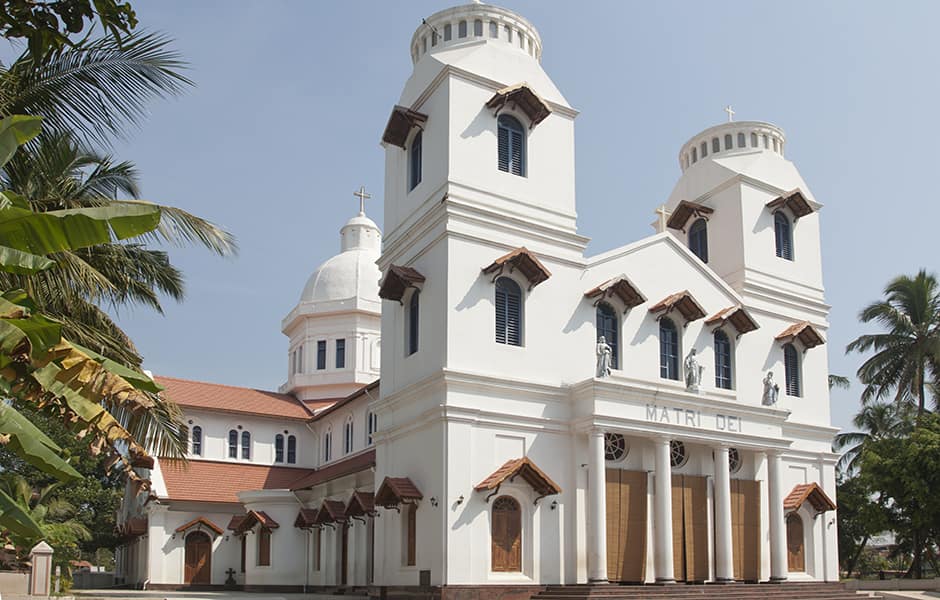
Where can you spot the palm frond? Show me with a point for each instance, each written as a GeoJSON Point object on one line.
{"type": "Point", "coordinates": [182, 228]}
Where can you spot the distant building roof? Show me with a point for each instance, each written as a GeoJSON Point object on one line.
{"type": "Point", "coordinates": [229, 398]}
{"type": "Point", "coordinates": [216, 481]}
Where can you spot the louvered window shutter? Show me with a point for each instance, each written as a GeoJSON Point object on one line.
{"type": "Point", "coordinates": [508, 312]}
{"type": "Point", "coordinates": [668, 350]}
{"type": "Point", "coordinates": [415, 162]}
{"type": "Point", "coordinates": [413, 323]}
{"type": "Point", "coordinates": [791, 365]}
{"type": "Point", "coordinates": [784, 236]}
{"type": "Point", "coordinates": [518, 153]}
{"type": "Point", "coordinates": [503, 149]}
{"type": "Point", "coordinates": [511, 145]}
{"type": "Point", "coordinates": [722, 360]}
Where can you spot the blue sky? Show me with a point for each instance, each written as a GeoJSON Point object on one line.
{"type": "Point", "coordinates": [292, 97]}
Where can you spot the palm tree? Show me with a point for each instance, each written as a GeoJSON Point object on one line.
{"type": "Point", "coordinates": [907, 356]}
{"type": "Point", "coordinates": [876, 421]}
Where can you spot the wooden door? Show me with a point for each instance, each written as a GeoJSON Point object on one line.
{"type": "Point", "coordinates": [344, 555]}
{"type": "Point", "coordinates": [745, 529]}
{"type": "Point", "coordinates": [796, 555]}
{"type": "Point", "coordinates": [626, 525]}
{"type": "Point", "coordinates": [507, 535]}
{"type": "Point", "coordinates": [690, 527]}
{"type": "Point", "coordinates": [198, 559]}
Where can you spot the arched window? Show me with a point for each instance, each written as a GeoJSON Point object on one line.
{"type": "Point", "coordinates": [506, 535]}
{"type": "Point", "coordinates": [668, 349]}
{"type": "Point", "coordinates": [704, 148]}
{"type": "Point", "coordinates": [742, 140]}
{"type": "Point", "coordinates": [508, 312]}
{"type": "Point", "coordinates": [233, 444]}
{"type": "Point", "coordinates": [448, 32]}
{"type": "Point", "coordinates": [694, 155]}
{"type": "Point", "coordinates": [279, 448]}
{"type": "Point", "coordinates": [511, 143]}
{"type": "Point", "coordinates": [791, 367]}
{"type": "Point", "coordinates": [722, 360]}
{"type": "Point", "coordinates": [414, 162]}
{"type": "Point", "coordinates": [433, 38]}
{"type": "Point", "coordinates": [494, 29]}
{"type": "Point", "coordinates": [729, 141]}
{"type": "Point", "coordinates": [197, 440]}
{"type": "Point", "coordinates": [478, 28]}
{"type": "Point", "coordinates": [246, 445]}
{"type": "Point", "coordinates": [607, 327]}
{"type": "Point", "coordinates": [754, 140]}
{"type": "Point", "coordinates": [508, 31]}
{"type": "Point", "coordinates": [328, 445]}
{"type": "Point", "coordinates": [698, 239]}
{"type": "Point", "coordinates": [291, 449]}
{"type": "Point", "coordinates": [348, 437]}
{"type": "Point", "coordinates": [372, 425]}
{"type": "Point", "coordinates": [716, 146]}
{"type": "Point", "coordinates": [264, 547]}
{"type": "Point", "coordinates": [783, 235]}
{"type": "Point", "coordinates": [413, 322]}
{"type": "Point", "coordinates": [462, 29]}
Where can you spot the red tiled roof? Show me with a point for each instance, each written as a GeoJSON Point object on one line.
{"type": "Point", "coordinates": [795, 201]}
{"type": "Point", "coordinates": [684, 211]}
{"type": "Point", "coordinates": [235, 521]}
{"type": "Point", "coordinates": [523, 259]}
{"type": "Point", "coordinates": [306, 518]}
{"type": "Point", "coordinates": [347, 466]}
{"type": "Point", "coordinates": [681, 301]}
{"type": "Point", "coordinates": [252, 518]}
{"type": "Point", "coordinates": [621, 287]}
{"type": "Point", "coordinates": [336, 405]}
{"type": "Point", "coordinates": [212, 481]}
{"type": "Point", "coordinates": [808, 491]}
{"type": "Point", "coordinates": [737, 316]}
{"type": "Point", "coordinates": [804, 332]}
{"type": "Point", "coordinates": [215, 396]}
{"type": "Point", "coordinates": [395, 490]}
{"type": "Point", "coordinates": [361, 503]}
{"type": "Point", "coordinates": [200, 521]}
{"type": "Point", "coordinates": [522, 467]}
{"type": "Point", "coordinates": [331, 511]}
{"type": "Point", "coordinates": [397, 281]}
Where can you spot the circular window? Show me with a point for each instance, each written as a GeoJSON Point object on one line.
{"type": "Point", "coordinates": [734, 460]}
{"type": "Point", "coordinates": [677, 455]}
{"type": "Point", "coordinates": [615, 446]}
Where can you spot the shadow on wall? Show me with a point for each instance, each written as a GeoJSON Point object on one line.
{"type": "Point", "coordinates": [482, 290]}
{"type": "Point", "coordinates": [482, 123]}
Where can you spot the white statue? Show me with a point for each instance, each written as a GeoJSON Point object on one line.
{"type": "Point", "coordinates": [771, 390]}
{"type": "Point", "coordinates": [693, 372]}
{"type": "Point", "coordinates": [603, 352]}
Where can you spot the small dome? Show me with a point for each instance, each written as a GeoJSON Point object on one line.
{"type": "Point", "coordinates": [352, 273]}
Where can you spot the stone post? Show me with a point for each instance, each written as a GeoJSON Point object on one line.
{"type": "Point", "coordinates": [41, 573]}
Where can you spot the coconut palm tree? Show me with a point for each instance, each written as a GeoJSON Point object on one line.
{"type": "Point", "coordinates": [876, 420]}
{"type": "Point", "coordinates": [907, 356]}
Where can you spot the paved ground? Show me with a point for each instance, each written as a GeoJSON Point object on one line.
{"type": "Point", "coordinates": [120, 594]}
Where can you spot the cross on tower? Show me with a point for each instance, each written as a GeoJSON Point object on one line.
{"type": "Point", "coordinates": [363, 196]}
{"type": "Point", "coordinates": [730, 112]}
{"type": "Point", "coordinates": [661, 211]}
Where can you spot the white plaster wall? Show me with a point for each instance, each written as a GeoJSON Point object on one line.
{"type": "Point", "coordinates": [288, 560]}
{"type": "Point", "coordinates": [216, 425]}
{"type": "Point", "coordinates": [167, 549]}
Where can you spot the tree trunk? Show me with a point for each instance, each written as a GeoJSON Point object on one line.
{"type": "Point", "coordinates": [854, 560]}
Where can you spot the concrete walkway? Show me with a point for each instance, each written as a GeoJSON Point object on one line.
{"type": "Point", "coordinates": [121, 594]}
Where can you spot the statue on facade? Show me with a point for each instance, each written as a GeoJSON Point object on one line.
{"type": "Point", "coordinates": [771, 390]}
{"type": "Point", "coordinates": [693, 372]}
{"type": "Point", "coordinates": [603, 352]}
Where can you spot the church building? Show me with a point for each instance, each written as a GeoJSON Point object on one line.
{"type": "Point", "coordinates": [475, 406]}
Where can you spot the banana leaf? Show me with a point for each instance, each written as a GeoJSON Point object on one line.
{"type": "Point", "coordinates": [22, 263]}
{"type": "Point", "coordinates": [137, 379]}
{"type": "Point", "coordinates": [15, 131]}
{"type": "Point", "coordinates": [33, 446]}
{"type": "Point", "coordinates": [17, 520]}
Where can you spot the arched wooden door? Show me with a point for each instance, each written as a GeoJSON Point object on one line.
{"type": "Point", "coordinates": [198, 566]}
{"type": "Point", "coordinates": [507, 535]}
{"type": "Point", "coordinates": [796, 552]}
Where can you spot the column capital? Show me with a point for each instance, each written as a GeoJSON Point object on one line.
{"type": "Point", "coordinates": [596, 432]}
{"type": "Point", "coordinates": [662, 438]}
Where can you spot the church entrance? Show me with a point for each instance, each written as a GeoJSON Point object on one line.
{"type": "Point", "coordinates": [690, 527]}
{"type": "Point", "coordinates": [626, 525]}
{"type": "Point", "coordinates": [796, 555]}
{"type": "Point", "coordinates": [198, 559]}
{"type": "Point", "coordinates": [745, 529]}
{"type": "Point", "coordinates": [506, 535]}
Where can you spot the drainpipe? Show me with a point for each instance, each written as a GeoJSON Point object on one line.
{"type": "Point", "coordinates": [306, 548]}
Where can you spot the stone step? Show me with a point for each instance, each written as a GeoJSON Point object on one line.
{"type": "Point", "coordinates": [736, 591]}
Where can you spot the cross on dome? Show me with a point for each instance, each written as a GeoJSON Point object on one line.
{"type": "Point", "coordinates": [363, 196]}
{"type": "Point", "coordinates": [730, 112]}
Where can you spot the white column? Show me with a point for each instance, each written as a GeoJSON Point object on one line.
{"type": "Point", "coordinates": [778, 527]}
{"type": "Point", "coordinates": [662, 515]}
{"type": "Point", "coordinates": [724, 565]}
{"type": "Point", "coordinates": [597, 503]}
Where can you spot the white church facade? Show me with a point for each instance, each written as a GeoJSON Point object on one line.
{"type": "Point", "coordinates": [477, 407]}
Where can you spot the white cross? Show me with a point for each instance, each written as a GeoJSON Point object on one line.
{"type": "Point", "coordinates": [363, 196]}
{"type": "Point", "coordinates": [730, 112]}
{"type": "Point", "coordinates": [661, 211]}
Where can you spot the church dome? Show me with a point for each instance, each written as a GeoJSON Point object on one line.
{"type": "Point", "coordinates": [351, 274]}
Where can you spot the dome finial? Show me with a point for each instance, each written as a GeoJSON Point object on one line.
{"type": "Point", "coordinates": [363, 196]}
{"type": "Point", "coordinates": [730, 112]}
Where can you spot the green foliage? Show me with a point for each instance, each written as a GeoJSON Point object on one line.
{"type": "Point", "coordinates": [47, 26]}
{"type": "Point", "coordinates": [861, 517]}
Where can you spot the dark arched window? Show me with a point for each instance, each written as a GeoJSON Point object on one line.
{"type": "Point", "coordinates": [791, 366]}
{"type": "Point", "coordinates": [233, 444]}
{"type": "Point", "coordinates": [197, 440]}
{"type": "Point", "coordinates": [413, 322]}
{"type": "Point", "coordinates": [742, 141]}
{"type": "Point", "coordinates": [511, 145]}
{"type": "Point", "coordinates": [716, 146]}
{"type": "Point", "coordinates": [508, 312]}
{"type": "Point", "coordinates": [506, 535]}
{"type": "Point", "coordinates": [607, 327]}
{"type": "Point", "coordinates": [291, 449]}
{"type": "Point", "coordinates": [246, 445]}
{"type": "Point", "coordinates": [722, 360]}
{"type": "Point", "coordinates": [279, 448]}
{"type": "Point", "coordinates": [783, 235]}
{"type": "Point", "coordinates": [372, 426]}
{"type": "Point", "coordinates": [668, 349]}
{"type": "Point", "coordinates": [728, 141]}
{"type": "Point", "coordinates": [328, 445]}
{"type": "Point", "coordinates": [698, 239]}
{"type": "Point", "coordinates": [414, 162]}
{"type": "Point", "coordinates": [348, 437]}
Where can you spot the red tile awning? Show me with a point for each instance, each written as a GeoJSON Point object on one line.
{"type": "Point", "coordinates": [684, 211]}
{"type": "Point", "coordinates": [811, 492]}
{"type": "Point", "coordinates": [200, 523]}
{"type": "Point", "coordinates": [803, 331]}
{"type": "Point", "coordinates": [523, 260]}
{"type": "Point", "coordinates": [794, 201]}
{"type": "Point", "coordinates": [255, 517]}
{"type": "Point", "coordinates": [737, 316]}
{"type": "Point", "coordinates": [341, 468]}
{"type": "Point", "coordinates": [524, 468]}
{"type": "Point", "coordinates": [400, 123]}
{"type": "Point", "coordinates": [360, 505]}
{"type": "Point", "coordinates": [306, 518]}
{"type": "Point", "coordinates": [331, 511]}
{"type": "Point", "coordinates": [682, 302]}
{"type": "Point", "coordinates": [397, 281]}
{"type": "Point", "coordinates": [133, 527]}
{"type": "Point", "coordinates": [620, 287]}
{"type": "Point", "coordinates": [525, 99]}
{"type": "Point", "coordinates": [396, 491]}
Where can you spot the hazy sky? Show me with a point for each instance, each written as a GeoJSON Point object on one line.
{"type": "Point", "coordinates": [292, 98]}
